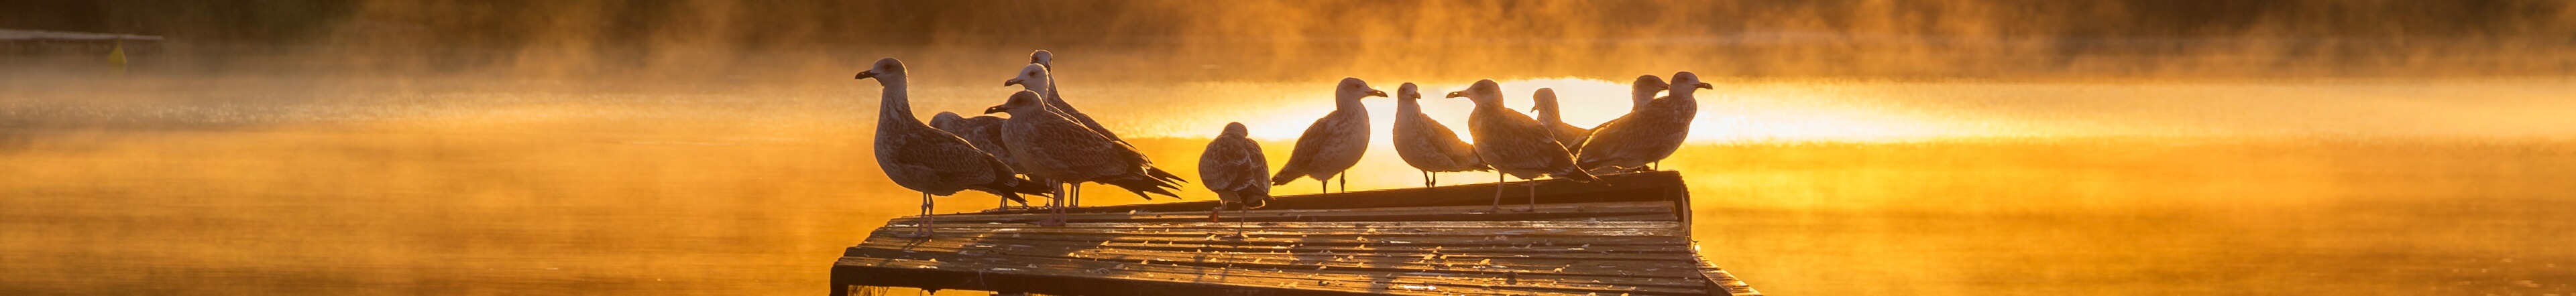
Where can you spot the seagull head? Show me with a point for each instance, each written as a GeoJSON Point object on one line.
{"type": "Point", "coordinates": [1031, 77]}
{"type": "Point", "coordinates": [1020, 101]}
{"type": "Point", "coordinates": [1545, 98]}
{"type": "Point", "coordinates": [1234, 130]}
{"type": "Point", "coordinates": [1408, 92]}
{"type": "Point", "coordinates": [945, 118]}
{"type": "Point", "coordinates": [886, 68]}
{"type": "Point", "coordinates": [1353, 89]}
{"type": "Point", "coordinates": [1684, 83]}
{"type": "Point", "coordinates": [1043, 58]}
{"type": "Point", "coordinates": [1650, 84]}
{"type": "Point", "coordinates": [1484, 92]}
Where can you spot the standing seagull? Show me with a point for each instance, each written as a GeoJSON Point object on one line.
{"type": "Point", "coordinates": [1039, 76]}
{"type": "Point", "coordinates": [1334, 143]}
{"type": "Point", "coordinates": [1566, 134]}
{"type": "Point", "coordinates": [985, 132]}
{"type": "Point", "coordinates": [1234, 167]}
{"type": "Point", "coordinates": [1426, 144]}
{"type": "Point", "coordinates": [928, 160]}
{"type": "Point", "coordinates": [1647, 135]}
{"type": "Point", "coordinates": [1514, 144]}
{"type": "Point", "coordinates": [1055, 147]}
{"type": "Point", "coordinates": [1035, 78]}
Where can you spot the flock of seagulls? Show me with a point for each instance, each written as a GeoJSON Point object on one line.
{"type": "Point", "coordinates": [1046, 147]}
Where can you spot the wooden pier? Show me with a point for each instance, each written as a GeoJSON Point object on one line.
{"type": "Point", "coordinates": [1630, 237]}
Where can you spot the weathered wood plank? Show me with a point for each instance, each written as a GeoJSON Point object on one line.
{"type": "Point", "coordinates": [1397, 251]}
{"type": "Point", "coordinates": [1535, 265]}
{"type": "Point", "coordinates": [1259, 232]}
{"type": "Point", "coordinates": [1330, 225]}
{"type": "Point", "coordinates": [1720, 280]}
{"type": "Point", "coordinates": [1495, 240]}
{"type": "Point", "coordinates": [1323, 279]}
{"type": "Point", "coordinates": [1443, 213]}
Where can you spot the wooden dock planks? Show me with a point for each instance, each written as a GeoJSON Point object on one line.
{"type": "Point", "coordinates": [1628, 238]}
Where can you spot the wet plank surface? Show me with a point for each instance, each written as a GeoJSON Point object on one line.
{"type": "Point", "coordinates": [1627, 238]}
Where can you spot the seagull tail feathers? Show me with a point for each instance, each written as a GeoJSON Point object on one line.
{"type": "Point", "coordinates": [1011, 188]}
{"type": "Point", "coordinates": [1143, 186]}
{"type": "Point", "coordinates": [1165, 176]}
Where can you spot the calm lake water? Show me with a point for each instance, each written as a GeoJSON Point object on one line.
{"type": "Point", "coordinates": [309, 184]}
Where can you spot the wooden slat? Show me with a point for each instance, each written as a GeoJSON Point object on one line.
{"type": "Point", "coordinates": [1258, 232]}
{"type": "Point", "coordinates": [1383, 225]}
{"type": "Point", "coordinates": [1630, 252]}
{"type": "Point", "coordinates": [1323, 279]}
{"type": "Point", "coordinates": [1577, 264]}
{"type": "Point", "coordinates": [1576, 211]}
{"type": "Point", "coordinates": [1499, 240]}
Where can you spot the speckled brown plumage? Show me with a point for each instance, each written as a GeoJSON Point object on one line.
{"type": "Point", "coordinates": [1054, 147]}
{"type": "Point", "coordinates": [1335, 142]}
{"type": "Point", "coordinates": [1425, 143]}
{"type": "Point", "coordinates": [1649, 134]}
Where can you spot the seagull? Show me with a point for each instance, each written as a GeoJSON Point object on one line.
{"type": "Point", "coordinates": [1055, 147]}
{"type": "Point", "coordinates": [985, 132]}
{"type": "Point", "coordinates": [1037, 79]}
{"type": "Point", "coordinates": [1514, 144]}
{"type": "Point", "coordinates": [928, 160]}
{"type": "Point", "coordinates": [1234, 168]}
{"type": "Point", "coordinates": [1566, 134]}
{"type": "Point", "coordinates": [1426, 144]}
{"type": "Point", "coordinates": [1648, 134]}
{"type": "Point", "coordinates": [1041, 79]}
{"type": "Point", "coordinates": [1334, 143]}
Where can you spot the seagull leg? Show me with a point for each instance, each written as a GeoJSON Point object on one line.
{"type": "Point", "coordinates": [1055, 207]}
{"type": "Point", "coordinates": [1533, 196]}
{"type": "Point", "coordinates": [1498, 192]}
{"type": "Point", "coordinates": [926, 217]}
{"type": "Point", "coordinates": [1345, 180]}
{"type": "Point", "coordinates": [921, 226]}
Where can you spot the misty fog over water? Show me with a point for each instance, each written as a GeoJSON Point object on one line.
{"type": "Point", "coordinates": [1849, 147]}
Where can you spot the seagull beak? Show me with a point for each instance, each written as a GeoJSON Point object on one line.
{"type": "Point", "coordinates": [1013, 81]}
{"type": "Point", "coordinates": [1457, 94]}
{"type": "Point", "coordinates": [1706, 86]}
{"type": "Point", "coordinates": [866, 74]}
{"type": "Point", "coordinates": [1377, 93]}
{"type": "Point", "coordinates": [994, 109]}
{"type": "Point", "coordinates": [1533, 108]}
